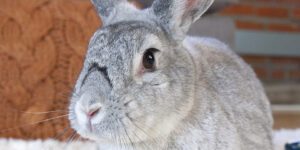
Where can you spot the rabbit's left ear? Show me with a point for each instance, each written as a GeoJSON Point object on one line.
{"type": "Point", "coordinates": [178, 15]}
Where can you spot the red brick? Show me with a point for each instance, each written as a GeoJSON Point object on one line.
{"type": "Point", "coordinates": [272, 12]}
{"type": "Point", "coordinates": [288, 1]}
{"type": "Point", "coordinates": [284, 27]}
{"type": "Point", "coordinates": [249, 25]}
{"type": "Point", "coordinates": [260, 0]}
{"type": "Point", "coordinates": [295, 74]}
{"type": "Point", "coordinates": [251, 59]}
{"type": "Point", "coordinates": [261, 72]}
{"type": "Point", "coordinates": [238, 9]}
{"type": "Point", "coordinates": [278, 74]}
{"type": "Point", "coordinates": [296, 13]}
{"type": "Point", "coordinates": [285, 60]}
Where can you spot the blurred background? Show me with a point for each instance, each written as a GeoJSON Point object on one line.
{"type": "Point", "coordinates": [43, 43]}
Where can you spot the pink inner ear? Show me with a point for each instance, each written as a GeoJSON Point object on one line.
{"type": "Point", "coordinates": [191, 3]}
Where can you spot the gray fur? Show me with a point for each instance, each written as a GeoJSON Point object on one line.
{"type": "Point", "coordinates": [201, 96]}
{"type": "Point", "coordinates": [106, 8]}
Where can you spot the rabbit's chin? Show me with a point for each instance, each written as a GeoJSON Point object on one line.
{"type": "Point", "coordinates": [94, 137]}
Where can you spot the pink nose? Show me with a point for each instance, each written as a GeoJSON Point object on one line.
{"type": "Point", "coordinates": [93, 112]}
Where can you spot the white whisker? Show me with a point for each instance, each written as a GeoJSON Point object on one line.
{"type": "Point", "coordinates": [34, 123]}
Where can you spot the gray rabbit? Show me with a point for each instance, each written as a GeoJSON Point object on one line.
{"type": "Point", "coordinates": [146, 85]}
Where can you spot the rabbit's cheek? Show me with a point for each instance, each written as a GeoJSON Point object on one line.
{"type": "Point", "coordinates": [133, 115]}
{"type": "Point", "coordinates": [133, 110]}
{"type": "Point", "coordinates": [127, 122]}
{"type": "Point", "coordinates": [131, 105]}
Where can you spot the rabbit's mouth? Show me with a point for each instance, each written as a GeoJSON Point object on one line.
{"type": "Point", "coordinates": [117, 127]}
{"type": "Point", "coordinates": [105, 124]}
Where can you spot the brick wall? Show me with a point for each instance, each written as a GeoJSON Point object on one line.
{"type": "Point", "coordinates": [275, 68]}
{"type": "Point", "coordinates": [273, 16]}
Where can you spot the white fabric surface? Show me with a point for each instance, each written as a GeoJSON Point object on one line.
{"type": "Point", "coordinates": [280, 138]}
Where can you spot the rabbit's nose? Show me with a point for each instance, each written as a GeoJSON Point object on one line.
{"type": "Point", "coordinates": [93, 110]}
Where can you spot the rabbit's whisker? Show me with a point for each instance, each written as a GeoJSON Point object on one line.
{"type": "Point", "coordinates": [124, 128]}
{"type": "Point", "coordinates": [61, 133]}
{"type": "Point", "coordinates": [71, 137]}
{"type": "Point", "coordinates": [141, 142]}
{"type": "Point", "coordinates": [116, 137]}
{"type": "Point", "coordinates": [33, 123]}
{"type": "Point", "coordinates": [37, 112]}
{"type": "Point", "coordinates": [44, 112]}
{"type": "Point", "coordinates": [113, 135]}
{"type": "Point", "coordinates": [139, 139]}
{"type": "Point", "coordinates": [156, 141]}
{"type": "Point", "coordinates": [121, 141]}
{"type": "Point", "coordinates": [141, 131]}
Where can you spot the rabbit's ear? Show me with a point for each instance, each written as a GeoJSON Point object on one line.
{"type": "Point", "coordinates": [178, 15]}
{"type": "Point", "coordinates": [107, 8]}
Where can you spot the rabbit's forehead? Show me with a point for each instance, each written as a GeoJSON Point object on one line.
{"type": "Point", "coordinates": [120, 42]}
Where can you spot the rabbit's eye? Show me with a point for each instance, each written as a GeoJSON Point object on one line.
{"type": "Point", "coordinates": [149, 59]}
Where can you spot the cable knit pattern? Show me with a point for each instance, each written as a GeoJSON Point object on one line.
{"type": "Point", "coordinates": [42, 44]}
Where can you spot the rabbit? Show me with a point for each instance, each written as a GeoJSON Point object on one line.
{"type": "Point", "coordinates": [145, 84]}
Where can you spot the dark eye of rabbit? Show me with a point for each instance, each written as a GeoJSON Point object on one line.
{"type": "Point", "coordinates": [149, 59]}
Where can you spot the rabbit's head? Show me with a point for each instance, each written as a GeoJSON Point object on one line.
{"type": "Point", "coordinates": [137, 82]}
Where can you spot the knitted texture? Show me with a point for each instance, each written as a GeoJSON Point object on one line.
{"type": "Point", "coordinates": [42, 45]}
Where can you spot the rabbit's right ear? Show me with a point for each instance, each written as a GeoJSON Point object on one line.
{"type": "Point", "coordinates": [107, 8]}
{"type": "Point", "coordinates": [178, 15]}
